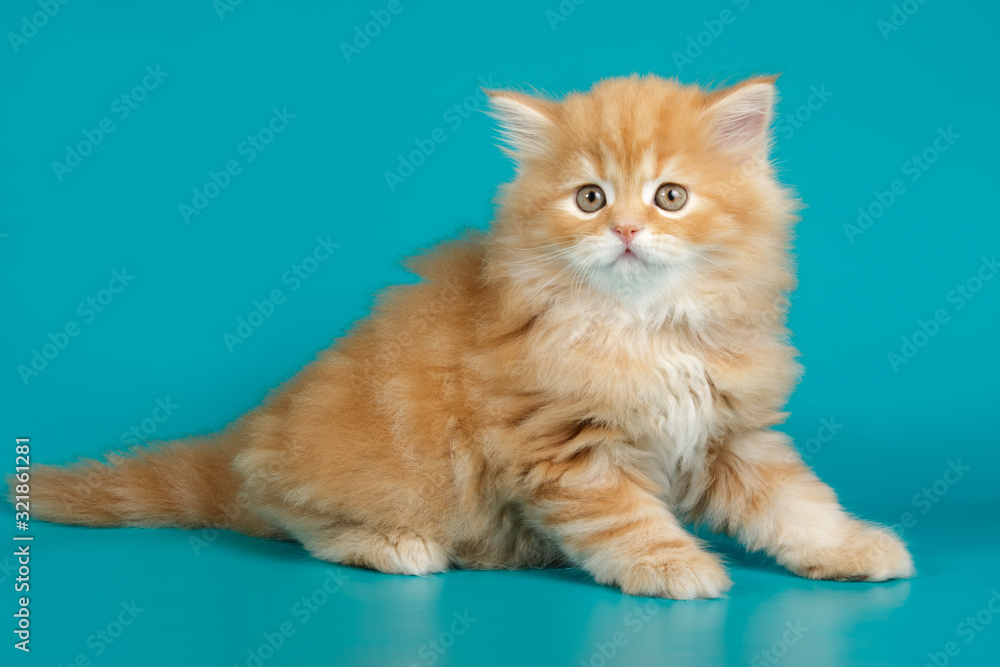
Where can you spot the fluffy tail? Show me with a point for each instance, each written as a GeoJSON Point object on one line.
{"type": "Point", "coordinates": [184, 483]}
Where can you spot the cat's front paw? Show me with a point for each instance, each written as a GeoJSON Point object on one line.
{"type": "Point", "coordinates": [681, 574]}
{"type": "Point", "coordinates": [870, 553]}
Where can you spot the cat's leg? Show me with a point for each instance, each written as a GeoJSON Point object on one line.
{"type": "Point", "coordinates": [387, 550]}
{"type": "Point", "coordinates": [760, 492]}
{"type": "Point", "coordinates": [607, 520]}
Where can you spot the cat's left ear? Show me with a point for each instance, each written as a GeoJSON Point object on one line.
{"type": "Point", "coordinates": [526, 122]}
{"type": "Point", "coordinates": [739, 118]}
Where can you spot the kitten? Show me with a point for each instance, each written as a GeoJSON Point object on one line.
{"type": "Point", "coordinates": [607, 363]}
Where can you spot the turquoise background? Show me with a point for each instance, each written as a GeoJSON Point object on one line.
{"type": "Point", "coordinates": [888, 433]}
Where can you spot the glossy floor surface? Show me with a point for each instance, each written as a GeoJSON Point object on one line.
{"type": "Point", "coordinates": [126, 135]}
{"type": "Point", "coordinates": [169, 597]}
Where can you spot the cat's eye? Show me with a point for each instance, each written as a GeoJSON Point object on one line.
{"type": "Point", "coordinates": [590, 198]}
{"type": "Point", "coordinates": [671, 197]}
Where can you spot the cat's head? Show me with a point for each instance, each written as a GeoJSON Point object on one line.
{"type": "Point", "coordinates": [639, 181]}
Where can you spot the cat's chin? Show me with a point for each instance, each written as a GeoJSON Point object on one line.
{"type": "Point", "coordinates": [629, 260]}
{"type": "Point", "coordinates": [638, 263]}
{"type": "Point", "coordinates": [632, 274]}
{"type": "Point", "coordinates": [634, 267]}
{"type": "Point", "coordinates": [639, 276]}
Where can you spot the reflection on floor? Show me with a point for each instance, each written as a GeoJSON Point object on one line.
{"type": "Point", "coordinates": [207, 598]}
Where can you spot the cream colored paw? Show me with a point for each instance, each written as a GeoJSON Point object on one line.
{"type": "Point", "coordinates": [870, 553]}
{"type": "Point", "coordinates": [392, 552]}
{"type": "Point", "coordinates": [680, 574]}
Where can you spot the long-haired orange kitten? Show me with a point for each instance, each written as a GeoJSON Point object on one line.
{"type": "Point", "coordinates": [607, 363]}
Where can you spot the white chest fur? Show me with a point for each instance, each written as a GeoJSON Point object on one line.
{"type": "Point", "coordinates": [649, 379]}
{"type": "Point", "coordinates": [684, 414]}
{"type": "Point", "coordinates": [682, 406]}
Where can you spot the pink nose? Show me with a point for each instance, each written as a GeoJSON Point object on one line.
{"type": "Point", "coordinates": [626, 231]}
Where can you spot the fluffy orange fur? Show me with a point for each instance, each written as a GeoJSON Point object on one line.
{"type": "Point", "coordinates": [542, 396]}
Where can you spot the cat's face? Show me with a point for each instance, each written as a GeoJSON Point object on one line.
{"type": "Point", "coordinates": [637, 180]}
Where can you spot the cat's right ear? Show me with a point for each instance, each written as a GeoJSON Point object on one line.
{"type": "Point", "coordinates": [526, 122]}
